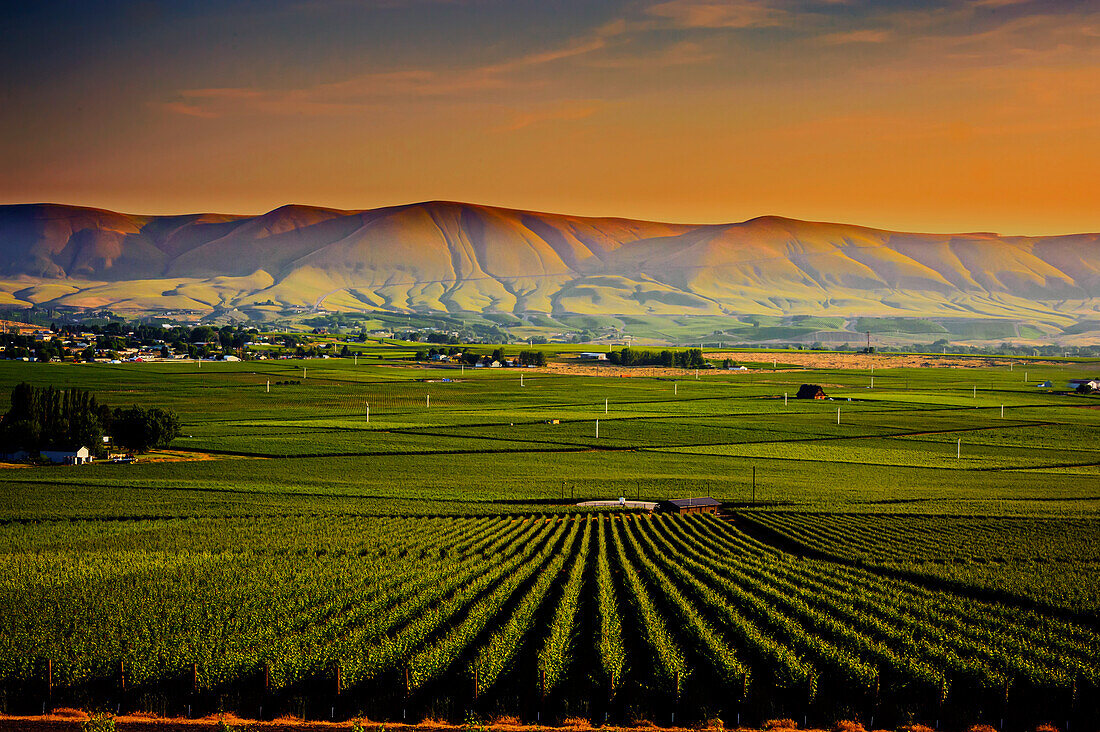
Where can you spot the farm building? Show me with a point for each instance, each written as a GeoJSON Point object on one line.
{"type": "Point", "coordinates": [690, 505]}
{"type": "Point", "coordinates": [592, 356]}
{"type": "Point", "coordinates": [810, 391]}
{"type": "Point", "coordinates": [1078, 383]}
{"type": "Point", "coordinates": [68, 457]}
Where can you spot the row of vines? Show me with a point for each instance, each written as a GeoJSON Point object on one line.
{"type": "Point", "coordinates": [664, 608]}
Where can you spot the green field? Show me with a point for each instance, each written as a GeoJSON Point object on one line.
{"type": "Point", "coordinates": [924, 558]}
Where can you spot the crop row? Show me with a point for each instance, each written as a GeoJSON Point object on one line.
{"type": "Point", "coordinates": [483, 601]}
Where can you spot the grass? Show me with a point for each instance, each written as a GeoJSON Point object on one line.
{"type": "Point", "coordinates": [298, 477]}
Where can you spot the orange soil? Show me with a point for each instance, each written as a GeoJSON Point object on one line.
{"type": "Point", "coordinates": [64, 720]}
{"type": "Point", "coordinates": [799, 359]}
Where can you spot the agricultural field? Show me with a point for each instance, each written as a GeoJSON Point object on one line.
{"type": "Point", "coordinates": [370, 537]}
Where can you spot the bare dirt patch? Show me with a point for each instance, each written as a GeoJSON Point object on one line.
{"type": "Point", "coordinates": [71, 722]}
{"type": "Point", "coordinates": [785, 360]}
{"type": "Point", "coordinates": [187, 456]}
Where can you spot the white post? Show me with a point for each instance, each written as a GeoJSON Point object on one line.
{"type": "Point", "coordinates": [674, 385]}
{"type": "Point", "coordinates": [368, 414]}
{"type": "Point", "coordinates": [597, 429]}
{"type": "Point", "coordinates": [521, 379]}
{"type": "Point", "coordinates": [303, 372]}
{"type": "Point", "coordinates": [463, 367]}
{"type": "Point", "coordinates": [975, 393]}
{"type": "Point", "coordinates": [872, 382]}
{"type": "Point", "coordinates": [784, 399]}
{"type": "Point", "coordinates": [1002, 411]}
{"type": "Point", "coordinates": [427, 401]}
{"type": "Point", "coordinates": [355, 359]}
{"type": "Point", "coordinates": [838, 415]}
{"type": "Point", "coordinates": [697, 374]}
{"type": "Point", "coordinates": [605, 405]}
{"type": "Point", "coordinates": [268, 386]}
{"type": "Point", "coordinates": [959, 449]}
{"type": "Point", "coordinates": [773, 364]}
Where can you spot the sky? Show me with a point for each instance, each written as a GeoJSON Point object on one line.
{"type": "Point", "coordinates": [969, 115]}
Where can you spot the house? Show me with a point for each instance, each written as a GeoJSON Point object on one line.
{"type": "Point", "coordinates": [1077, 383]}
{"type": "Point", "coordinates": [81, 456]}
{"type": "Point", "coordinates": [592, 356]}
{"type": "Point", "coordinates": [810, 391]}
{"type": "Point", "coordinates": [690, 505]}
{"type": "Point", "coordinates": [1045, 385]}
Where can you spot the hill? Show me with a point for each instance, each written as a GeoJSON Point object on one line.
{"type": "Point", "coordinates": [461, 258]}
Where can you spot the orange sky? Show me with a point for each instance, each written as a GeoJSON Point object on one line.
{"type": "Point", "coordinates": [950, 116]}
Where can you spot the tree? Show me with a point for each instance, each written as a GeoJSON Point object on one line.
{"type": "Point", "coordinates": [44, 418]}
{"type": "Point", "coordinates": [143, 429]}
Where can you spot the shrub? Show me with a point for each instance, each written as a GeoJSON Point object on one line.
{"type": "Point", "coordinates": [848, 725]}
{"type": "Point", "coordinates": [99, 722]}
{"type": "Point", "coordinates": [780, 724]}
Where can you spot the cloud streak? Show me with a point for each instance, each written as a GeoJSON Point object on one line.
{"type": "Point", "coordinates": [719, 13]}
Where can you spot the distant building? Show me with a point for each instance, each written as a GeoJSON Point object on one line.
{"type": "Point", "coordinates": [810, 391]}
{"type": "Point", "coordinates": [592, 356]}
{"type": "Point", "coordinates": [81, 456]}
{"type": "Point", "coordinates": [690, 505]}
{"type": "Point", "coordinates": [1076, 383]}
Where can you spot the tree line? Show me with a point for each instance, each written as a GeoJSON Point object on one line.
{"type": "Point", "coordinates": [47, 418]}
{"type": "Point", "coordinates": [692, 358]}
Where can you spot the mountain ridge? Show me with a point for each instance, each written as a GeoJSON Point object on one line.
{"type": "Point", "coordinates": [458, 257]}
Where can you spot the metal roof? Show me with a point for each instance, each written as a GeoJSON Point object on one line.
{"type": "Point", "coordinates": [693, 502]}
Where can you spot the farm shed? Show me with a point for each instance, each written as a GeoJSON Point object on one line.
{"type": "Point", "coordinates": [592, 356]}
{"type": "Point", "coordinates": [1077, 383]}
{"type": "Point", "coordinates": [68, 457]}
{"type": "Point", "coordinates": [810, 391]}
{"type": "Point", "coordinates": [690, 505]}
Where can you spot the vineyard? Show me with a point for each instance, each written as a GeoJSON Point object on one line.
{"type": "Point", "coordinates": [1052, 562]}
{"type": "Point", "coordinates": [596, 615]}
{"type": "Point", "coordinates": [334, 538]}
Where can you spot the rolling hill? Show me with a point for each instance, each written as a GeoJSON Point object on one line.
{"type": "Point", "coordinates": [458, 258]}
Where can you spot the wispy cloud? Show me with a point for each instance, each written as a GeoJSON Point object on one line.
{"type": "Point", "coordinates": [370, 90]}
{"type": "Point", "coordinates": [567, 111]}
{"type": "Point", "coordinates": [188, 110]}
{"type": "Point", "coordinates": [863, 35]}
{"type": "Point", "coordinates": [719, 13]}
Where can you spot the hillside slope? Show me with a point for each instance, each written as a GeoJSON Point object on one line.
{"type": "Point", "coordinates": [455, 257]}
